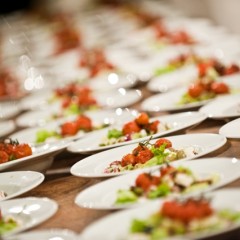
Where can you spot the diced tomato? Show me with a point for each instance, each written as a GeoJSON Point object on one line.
{"type": "Point", "coordinates": [144, 156]}
{"type": "Point", "coordinates": [84, 123]}
{"type": "Point", "coordinates": [180, 37]}
{"type": "Point", "coordinates": [204, 66]}
{"type": "Point", "coordinates": [21, 150]}
{"type": "Point", "coordinates": [143, 181]}
{"type": "Point", "coordinates": [195, 90]}
{"type": "Point", "coordinates": [142, 119]}
{"type": "Point", "coordinates": [153, 126]}
{"type": "Point", "coordinates": [131, 127]}
{"type": "Point", "coordinates": [3, 157]}
{"type": "Point", "coordinates": [219, 88]}
{"type": "Point", "coordinates": [162, 141]}
{"type": "Point", "coordinates": [186, 211]}
{"type": "Point", "coordinates": [166, 170]}
{"type": "Point", "coordinates": [138, 149]}
{"type": "Point", "coordinates": [232, 69]}
{"type": "Point", "coordinates": [128, 159]}
{"type": "Point", "coordinates": [69, 128]}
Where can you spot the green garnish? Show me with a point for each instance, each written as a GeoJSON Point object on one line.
{"type": "Point", "coordinates": [114, 133]}
{"type": "Point", "coordinates": [125, 196]}
{"type": "Point", "coordinates": [42, 135]}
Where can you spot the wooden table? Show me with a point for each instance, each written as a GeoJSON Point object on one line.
{"type": "Point", "coordinates": [62, 187]}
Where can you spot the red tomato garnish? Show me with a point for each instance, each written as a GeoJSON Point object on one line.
{"type": "Point", "coordinates": [21, 150]}
{"type": "Point", "coordinates": [84, 123]}
{"type": "Point", "coordinates": [166, 170]}
{"type": "Point", "coordinates": [3, 157]}
{"type": "Point", "coordinates": [144, 156]}
{"type": "Point", "coordinates": [130, 127]}
{"type": "Point", "coordinates": [186, 211]}
{"type": "Point", "coordinates": [153, 127]}
{"type": "Point", "coordinates": [138, 149]}
{"type": "Point", "coordinates": [162, 141]}
{"type": "Point", "coordinates": [128, 159]}
{"type": "Point", "coordinates": [219, 88]}
{"type": "Point", "coordinates": [142, 119]}
{"type": "Point", "coordinates": [69, 128]}
{"type": "Point", "coordinates": [143, 181]}
{"type": "Point", "coordinates": [195, 90]}
{"type": "Point", "coordinates": [232, 69]}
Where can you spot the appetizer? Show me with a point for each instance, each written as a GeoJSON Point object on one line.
{"type": "Point", "coordinates": [169, 181]}
{"type": "Point", "coordinates": [12, 150]}
{"type": "Point", "coordinates": [75, 98]}
{"type": "Point", "coordinates": [147, 154]}
{"type": "Point", "coordinates": [70, 128]}
{"type": "Point", "coordinates": [183, 217]}
{"type": "Point", "coordinates": [7, 224]}
{"type": "Point", "coordinates": [96, 61]}
{"type": "Point", "coordinates": [178, 62]}
{"type": "Point", "coordinates": [172, 37]}
{"type": "Point", "coordinates": [138, 128]}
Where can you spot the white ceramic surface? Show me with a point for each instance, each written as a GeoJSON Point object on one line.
{"type": "Point", "coordinates": [223, 107]}
{"type": "Point", "coordinates": [178, 78]}
{"type": "Point", "coordinates": [94, 165]}
{"type": "Point", "coordinates": [6, 127]}
{"type": "Point", "coordinates": [19, 182]}
{"type": "Point", "coordinates": [51, 234]}
{"type": "Point", "coordinates": [43, 117]}
{"type": "Point", "coordinates": [231, 129]}
{"type": "Point", "coordinates": [29, 211]}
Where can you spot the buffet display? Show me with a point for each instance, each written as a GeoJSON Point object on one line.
{"type": "Point", "coordinates": [116, 85]}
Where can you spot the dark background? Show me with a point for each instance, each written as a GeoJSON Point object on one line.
{"type": "Point", "coordinates": [8, 6]}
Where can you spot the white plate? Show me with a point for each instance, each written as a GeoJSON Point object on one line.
{"type": "Point", "coordinates": [223, 107]}
{"type": "Point", "coordinates": [221, 199]}
{"type": "Point", "coordinates": [168, 102]}
{"type": "Point", "coordinates": [98, 118]}
{"type": "Point", "coordinates": [51, 234]}
{"type": "Point", "coordinates": [42, 117]}
{"type": "Point", "coordinates": [9, 109]}
{"type": "Point", "coordinates": [231, 129]}
{"type": "Point", "coordinates": [6, 127]}
{"type": "Point", "coordinates": [108, 99]}
{"type": "Point", "coordinates": [104, 194]}
{"type": "Point", "coordinates": [38, 161]}
{"type": "Point", "coordinates": [178, 78]}
{"type": "Point", "coordinates": [177, 122]}
{"type": "Point", "coordinates": [17, 183]}
{"type": "Point", "coordinates": [118, 98]}
{"type": "Point", "coordinates": [112, 80]}
{"type": "Point", "coordinates": [93, 166]}
{"type": "Point", "coordinates": [30, 211]}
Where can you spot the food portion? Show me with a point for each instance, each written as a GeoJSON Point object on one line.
{"type": "Point", "coordinates": [168, 181]}
{"type": "Point", "coordinates": [147, 154]}
{"type": "Point", "coordinates": [95, 61]}
{"type": "Point", "coordinates": [11, 150]}
{"type": "Point", "coordinates": [140, 127]}
{"type": "Point", "coordinates": [183, 217]}
{"type": "Point", "coordinates": [81, 124]}
{"type": "Point", "coordinates": [167, 36]}
{"type": "Point", "coordinates": [207, 86]}
{"type": "Point", "coordinates": [7, 224]}
{"type": "Point", "coordinates": [178, 62]}
{"type": "Point", "coordinates": [75, 99]}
